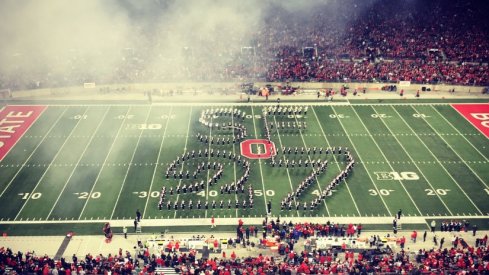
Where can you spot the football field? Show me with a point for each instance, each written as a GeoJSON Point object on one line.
{"type": "Point", "coordinates": [103, 162]}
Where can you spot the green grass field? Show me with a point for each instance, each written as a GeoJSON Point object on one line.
{"type": "Point", "coordinates": [102, 162]}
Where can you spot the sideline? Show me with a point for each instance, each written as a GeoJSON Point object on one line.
{"type": "Point", "coordinates": [257, 220]}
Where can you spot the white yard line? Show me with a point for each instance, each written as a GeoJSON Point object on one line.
{"type": "Point", "coordinates": [383, 155]}
{"type": "Point", "coordinates": [259, 161]}
{"type": "Point", "coordinates": [448, 144]}
{"type": "Point", "coordinates": [459, 133]}
{"type": "Point", "coordinates": [43, 174]}
{"type": "Point", "coordinates": [157, 161]}
{"type": "Point", "coordinates": [33, 151]}
{"type": "Point", "coordinates": [184, 151]}
{"type": "Point", "coordinates": [287, 169]}
{"type": "Point", "coordinates": [208, 170]}
{"type": "Point", "coordinates": [358, 153]}
{"type": "Point", "coordinates": [103, 164]}
{"type": "Point", "coordinates": [437, 160]}
{"type": "Point", "coordinates": [129, 166]}
{"type": "Point", "coordinates": [234, 162]}
{"type": "Point", "coordinates": [79, 158]}
{"type": "Point", "coordinates": [336, 160]}
{"type": "Point", "coordinates": [427, 180]}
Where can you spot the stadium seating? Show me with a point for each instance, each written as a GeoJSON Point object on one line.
{"type": "Point", "coordinates": [319, 256]}
{"type": "Point", "coordinates": [388, 41]}
{"type": "Point", "coordinates": [459, 257]}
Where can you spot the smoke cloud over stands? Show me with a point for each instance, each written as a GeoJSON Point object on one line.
{"type": "Point", "coordinates": [61, 43]}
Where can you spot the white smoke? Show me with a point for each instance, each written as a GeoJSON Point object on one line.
{"type": "Point", "coordinates": [60, 42]}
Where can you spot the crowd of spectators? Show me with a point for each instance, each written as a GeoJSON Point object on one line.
{"type": "Point", "coordinates": [390, 42]}
{"type": "Point", "coordinates": [459, 257]}
{"type": "Point", "coordinates": [292, 232]}
{"type": "Point", "coordinates": [432, 42]}
{"type": "Point", "coordinates": [30, 263]}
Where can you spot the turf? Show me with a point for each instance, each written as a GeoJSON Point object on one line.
{"type": "Point", "coordinates": [102, 162]}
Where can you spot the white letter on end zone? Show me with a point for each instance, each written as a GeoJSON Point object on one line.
{"type": "Point", "coordinates": [19, 114]}
{"type": "Point", "coordinates": [482, 116]}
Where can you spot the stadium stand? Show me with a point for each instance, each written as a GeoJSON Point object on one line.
{"type": "Point", "coordinates": [389, 41]}
{"type": "Point", "coordinates": [458, 257]}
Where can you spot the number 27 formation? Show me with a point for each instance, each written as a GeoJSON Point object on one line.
{"type": "Point", "coordinates": [209, 160]}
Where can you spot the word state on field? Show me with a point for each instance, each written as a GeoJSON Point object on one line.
{"type": "Point", "coordinates": [14, 122]}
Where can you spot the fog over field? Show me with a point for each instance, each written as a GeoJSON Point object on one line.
{"type": "Point", "coordinates": [59, 41]}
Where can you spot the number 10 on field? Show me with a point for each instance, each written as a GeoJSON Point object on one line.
{"type": "Point", "coordinates": [33, 196]}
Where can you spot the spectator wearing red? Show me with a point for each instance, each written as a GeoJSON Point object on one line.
{"type": "Point", "coordinates": [402, 242]}
{"type": "Point", "coordinates": [414, 235]}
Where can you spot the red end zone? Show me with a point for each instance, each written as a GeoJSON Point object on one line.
{"type": "Point", "coordinates": [477, 114]}
{"type": "Point", "coordinates": [263, 143]}
{"type": "Point", "coordinates": [14, 122]}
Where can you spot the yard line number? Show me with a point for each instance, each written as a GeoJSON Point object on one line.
{"type": "Point", "coordinates": [250, 116]}
{"type": "Point", "coordinates": [144, 126]}
{"type": "Point", "coordinates": [434, 192]}
{"type": "Point", "coordinates": [418, 115]}
{"type": "Point", "coordinates": [337, 116]}
{"type": "Point", "coordinates": [33, 196]}
{"type": "Point", "coordinates": [144, 194]}
{"type": "Point", "coordinates": [86, 195]}
{"type": "Point", "coordinates": [382, 192]}
{"type": "Point", "coordinates": [379, 116]}
{"type": "Point", "coordinates": [258, 193]}
{"type": "Point", "coordinates": [78, 117]}
{"type": "Point", "coordinates": [124, 117]}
